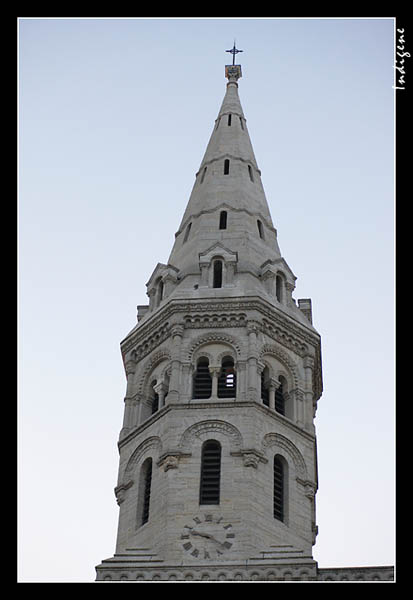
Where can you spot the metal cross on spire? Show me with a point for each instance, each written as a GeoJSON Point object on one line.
{"type": "Point", "coordinates": [234, 51]}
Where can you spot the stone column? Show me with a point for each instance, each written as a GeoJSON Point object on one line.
{"type": "Point", "coordinates": [159, 389]}
{"type": "Point", "coordinates": [253, 390]}
{"type": "Point", "coordinates": [128, 420]}
{"type": "Point", "coordinates": [151, 293]}
{"type": "Point", "coordinates": [215, 371]}
{"type": "Point", "coordinates": [174, 391]}
{"type": "Point", "coordinates": [308, 395]}
{"type": "Point", "coordinates": [186, 392]}
{"type": "Point", "coordinates": [289, 288]}
{"type": "Point", "coordinates": [273, 386]}
{"type": "Point", "coordinates": [269, 282]}
{"type": "Point", "coordinates": [241, 371]}
{"type": "Point", "coordinates": [229, 275]}
{"type": "Point", "coordinates": [204, 274]}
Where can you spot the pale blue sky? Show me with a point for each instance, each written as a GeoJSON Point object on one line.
{"type": "Point", "coordinates": [114, 118]}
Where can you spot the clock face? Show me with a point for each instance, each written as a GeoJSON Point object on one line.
{"type": "Point", "coordinates": [207, 537]}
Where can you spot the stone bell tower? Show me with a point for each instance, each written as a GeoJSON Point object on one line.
{"type": "Point", "coordinates": [218, 463]}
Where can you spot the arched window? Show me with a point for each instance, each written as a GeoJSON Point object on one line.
{"type": "Point", "coordinates": [226, 166]}
{"type": "Point", "coordinates": [279, 288]}
{"type": "Point", "coordinates": [260, 229]}
{"type": "Point", "coordinates": [223, 219]}
{"type": "Point", "coordinates": [279, 396]}
{"type": "Point", "coordinates": [154, 398]}
{"type": "Point", "coordinates": [227, 381]}
{"type": "Point", "coordinates": [188, 229]}
{"type": "Point", "coordinates": [159, 292]}
{"type": "Point", "coordinates": [217, 283]}
{"type": "Point", "coordinates": [265, 394]}
{"type": "Point", "coordinates": [145, 491]}
{"type": "Point", "coordinates": [202, 387]}
{"type": "Point", "coordinates": [279, 488]}
{"type": "Point", "coordinates": [210, 473]}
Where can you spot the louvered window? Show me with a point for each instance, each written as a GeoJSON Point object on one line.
{"type": "Point", "coordinates": [202, 380]}
{"type": "Point", "coordinates": [210, 473]}
{"type": "Point", "coordinates": [227, 382]}
{"type": "Point", "coordinates": [279, 398]}
{"type": "Point", "coordinates": [154, 398]}
{"type": "Point", "coordinates": [279, 489]}
{"type": "Point", "coordinates": [146, 489]}
{"type": "Point", "coordinates": [265, 395]}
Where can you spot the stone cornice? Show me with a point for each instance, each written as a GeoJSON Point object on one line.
{"type": "Point", "coordinates": [284, 322]}
{"type": "Point", "coordinates": [208, 405]}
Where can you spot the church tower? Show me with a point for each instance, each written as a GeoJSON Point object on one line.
{"type": "Point", "coordinates": [218, 462]}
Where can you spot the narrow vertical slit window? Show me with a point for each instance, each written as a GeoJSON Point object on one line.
{"type": "Point", "coordinates": [223, 219]}
{"type": "Point", "coordinates": [229, 120]}
{"type": "Point", "coordinates": [226, 166]}
{"type": "Point", "coordinates": [260, 229]}
{"type": "Point", "coordinates": [278, 288]}
{"type": "Point", "coordinates": [188, 229]}
{"type": "Point", "coordinates": [242, 124]}
{"type": "Point", "coordinates": [217, 283]}
{"type": "Point", "coordinates": [209, 489]}
{"type": "Point", "coordinates": [146, 481]}
{"type": "Point", "coordinates": [279, 488]}
{"type": "Point", "coordinates": [203, 174]}
{"type": "Point", "coordinates": [250, 173]}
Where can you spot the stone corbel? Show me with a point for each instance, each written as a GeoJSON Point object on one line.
{"type": "Point", "coordinates": [170, 460]}
{"type": "Point", "coordinates": [250, 457]}
{"type": "Point", "coordinates": [309, 488]}
{"type": "Point", "coordinates": [120, 491]}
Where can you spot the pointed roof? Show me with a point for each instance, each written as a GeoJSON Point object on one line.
{"type": "Point", "coordinates": [228, 179]}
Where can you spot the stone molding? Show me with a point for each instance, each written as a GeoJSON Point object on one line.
{"type": "Point", "coordinates": [209, 427]}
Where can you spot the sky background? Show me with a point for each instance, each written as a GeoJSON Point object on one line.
{"type": "Point", "coordinates": [114, 119]}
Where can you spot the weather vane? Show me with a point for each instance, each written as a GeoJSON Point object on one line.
{"type": "Point", "coordinates": [233, 51]}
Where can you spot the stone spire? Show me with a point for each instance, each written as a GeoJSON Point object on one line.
{"type": "Point", "coordinates": [228, 215]}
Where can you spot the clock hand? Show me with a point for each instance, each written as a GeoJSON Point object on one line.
{"type": "Point", "coordinates": [207, 536]}
{"type": "Point", "coordinates": [200, 534]}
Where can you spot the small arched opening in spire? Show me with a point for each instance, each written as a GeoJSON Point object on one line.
{"type": "Point", "coordinates": [226, 166]}
{"type": "Point", "coordinates": [229, 120]}
{"type": "Point", "coordinates": [260, 229]}
{"type": "Point", "coordinates": [223, 219]}
{"type": "Point", "coordinates": [203, 174]}
{"type": "Point", "coordinates": [250, 173]}
{"type": "Point", "coordinates": [188, 229]}
{"type": "Point", "coordinates": [279, 291]}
